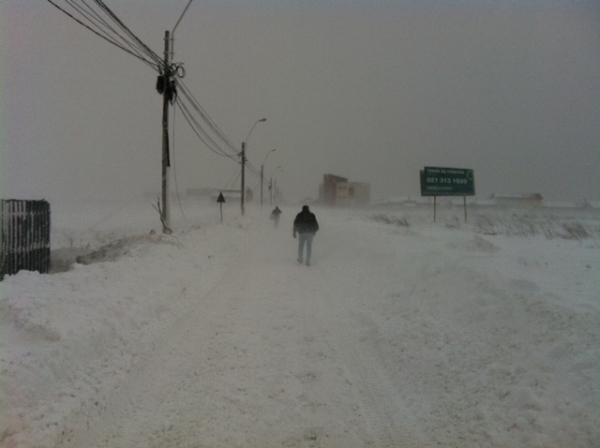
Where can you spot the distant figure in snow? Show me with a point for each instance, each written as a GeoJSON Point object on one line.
{"type": "Point", "coordinates": [306, 226]}
{"type": "Point", "coordinates": [275, 215]}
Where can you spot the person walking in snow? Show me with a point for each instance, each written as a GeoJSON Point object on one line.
{"type": "Point", "coordinates": [306, 226]}
{"type": "Point", "coordinates": [275, 215]}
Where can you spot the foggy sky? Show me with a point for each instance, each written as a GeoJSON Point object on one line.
{"type": "Point", "coordinates": [369, 90]}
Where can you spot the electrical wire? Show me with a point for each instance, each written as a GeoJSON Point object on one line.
{"type": "Point", "coordinates": [200, 132]}
{"type": "Point", "coordinates": [252, 169]}
{"type": "Point", "coordinates": [204, 115]}
{"type": "Point", "coordinates": [155, 60]}
{"type": "Point", "coordinates": [216, 141]}
{"type": "Point", "coordinates": [233, 180]}
{"type": "Point", "coordinates": [115, 19]}
{"type": "Point", "coordinates": [213, 146]}
{"type": "Point", "coordinates": [207, 140]}
{"type": "Point", "coordinates": [94, 17]}
{"type": "Point", "coordinates": [175, 167]}
{"type": "Point", "coordinates": [114, 31]}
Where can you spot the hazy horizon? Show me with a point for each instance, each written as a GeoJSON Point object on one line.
{"type": "Point", "coordinates": [371, 91]}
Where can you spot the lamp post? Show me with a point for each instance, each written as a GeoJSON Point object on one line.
{"type": "Point", "coordinates": [175, 27]}
{"type": "Point", "coordinates": [262, 175]}
{"type": "Point", "coordinates": [244, 163]}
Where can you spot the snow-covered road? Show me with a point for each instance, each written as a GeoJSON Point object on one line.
{"type": "Point", "coordinates": [273, 354]}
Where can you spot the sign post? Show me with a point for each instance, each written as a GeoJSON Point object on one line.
{"type": "Point", "coordinates": [221, 201]}
{"type": "Point", "coordinates": [436, 181]}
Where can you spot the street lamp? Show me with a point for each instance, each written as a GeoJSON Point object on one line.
{"type": "Point", "coordinates": [244, 162]}
{"type": "Point", "coordinates": [262, 175]}
{"type": "Point", "coordinates": [175, 27]}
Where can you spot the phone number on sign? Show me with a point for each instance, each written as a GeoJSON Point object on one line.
{"type": "Point", "coordinates": [445, 180]}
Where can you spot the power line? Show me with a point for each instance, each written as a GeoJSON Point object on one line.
{"type": "Point", "coordinates": [200, 132]}
{"type": "Point", "coordinates": [205, 117]}
{"type": "Point", "coordinates": [251, 168]}
{"type": "Point", "coordinates": [105, 24]}
{"type": "Point", "coordinates": [131, 44]}
{"type": "Point", "coordinates": [233, 180]}
{"type": "Point", "coordinates": [175, 169]}
{"type": "Point", "coordinates": [155, 60]}
{"type": "Point", "coordinates": [143, 46]}
{"type": "Point", "coordinates": [94, 17]}
{"type": "Point", "coordinates": [205, 138]}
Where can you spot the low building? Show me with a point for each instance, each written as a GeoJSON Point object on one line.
{"type": "Point", "coordinates": [337, 191]}
{"type": "Point", "coordinates": [519, 200]}
{"type": "Point", "coordinates": [350, 194]}
{"type": "Point", "coordinates": [328, 189]}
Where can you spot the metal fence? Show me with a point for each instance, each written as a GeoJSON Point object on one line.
{"type": "Point", "coordinates": [25, 236]}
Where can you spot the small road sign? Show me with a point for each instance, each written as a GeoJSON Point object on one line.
{"type": "Point", "coordinates": [221, 201]}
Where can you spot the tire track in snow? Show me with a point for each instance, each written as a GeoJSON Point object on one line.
{"type": "Point", "coordinates": [381, 406]}
{"type": "Point", "coordinates": [388, 422]}
{"type": "Point", "coordinates": [385, 412]}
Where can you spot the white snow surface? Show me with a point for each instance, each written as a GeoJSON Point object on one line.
{"type": "Point", "coordinates": [402, 333]}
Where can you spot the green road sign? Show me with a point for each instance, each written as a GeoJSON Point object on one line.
{"type": "Point", "coordinates": [447, 182]}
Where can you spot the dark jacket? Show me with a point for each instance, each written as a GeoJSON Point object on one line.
{"type": "Point", "coordinates": [306, 222]}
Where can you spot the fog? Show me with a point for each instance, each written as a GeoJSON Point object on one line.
{"type": "Point", "coordinates": [372, 91]}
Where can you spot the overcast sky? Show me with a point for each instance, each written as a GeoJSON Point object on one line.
{"type": "Point", "coordinates": [369, 90]}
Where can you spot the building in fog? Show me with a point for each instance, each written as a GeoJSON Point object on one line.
{"type": "Point", "coordinates": [518, 200]}
{"type": "Point", "coordinates": [337, 191]}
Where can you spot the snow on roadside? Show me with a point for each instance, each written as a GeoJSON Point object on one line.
{"type": "Point", "coordinates": [69, 336]}
{"type": "Point", "coordinates": [508, 323]}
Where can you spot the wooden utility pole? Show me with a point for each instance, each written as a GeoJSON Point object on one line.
{"type": "Point", "coordinates": [167, 92]}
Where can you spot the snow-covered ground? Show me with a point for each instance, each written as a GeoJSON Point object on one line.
{"type": "Point", "coordinates": [402, 333]}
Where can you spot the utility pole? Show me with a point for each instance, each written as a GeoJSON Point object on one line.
{"type": "Point", "coordinates": [165, 215]}
{"type": "Point", "coordinates": [168, 95]}
{"type": "Point", "coordinates": [271, 191]}
{"type": "Point", "coordinates": [243, 176]}
{"type": "Point", "coordinates": [262, 173]}
{"type": "Point", "coordinates": [243, 154]}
